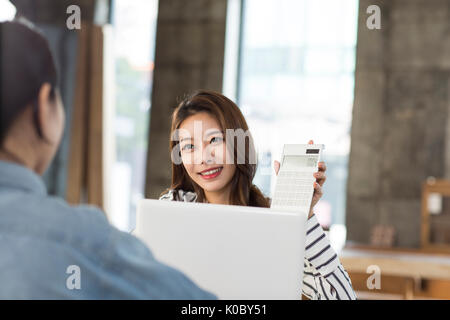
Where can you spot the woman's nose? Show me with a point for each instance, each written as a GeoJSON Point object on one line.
{"type": "Point", "coordinates": [208, 155]}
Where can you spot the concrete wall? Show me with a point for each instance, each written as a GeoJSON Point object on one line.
{"type": "Point", "coordinates": [190, 44]}
{"type": "Point", "coordinates": [400, 116]}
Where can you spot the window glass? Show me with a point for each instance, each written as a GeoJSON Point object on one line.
{"type": "Point", "coordinates": [134, 40]}
{"type": "Point", "coordinates": [296, 82]}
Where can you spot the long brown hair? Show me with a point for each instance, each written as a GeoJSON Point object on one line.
{"type": "Point", "coordinates": [227, 113]}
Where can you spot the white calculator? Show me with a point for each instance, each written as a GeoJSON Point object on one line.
{"type": "Point", "coordinates": [294, 186]}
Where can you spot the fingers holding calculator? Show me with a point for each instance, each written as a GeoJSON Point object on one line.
{"type": "Point", "coordinates": [299, 169]}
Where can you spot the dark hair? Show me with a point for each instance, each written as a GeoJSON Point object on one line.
{"type": "Point", "coordinates": [227, 113]}
{"type": "Point", "coordinates": [26, 63]}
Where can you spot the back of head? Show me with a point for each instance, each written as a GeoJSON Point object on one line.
{"type": "Point", "coordinates": [26, 63]}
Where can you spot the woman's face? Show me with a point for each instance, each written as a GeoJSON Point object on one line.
{"type": "Point", "coordinates": [204, 153]}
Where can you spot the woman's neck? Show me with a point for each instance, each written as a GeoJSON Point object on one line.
{"type": "Point", "coordinates": [10, 157]}
{"type": "Point", "coordinates": [219, 197]}
{"type": "Point", "coordinates": [19, 154]}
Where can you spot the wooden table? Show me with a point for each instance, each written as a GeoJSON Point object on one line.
{"type": "Point", "coordinates": [408, 272]}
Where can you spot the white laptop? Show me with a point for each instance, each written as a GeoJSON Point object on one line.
{"type": "Point", "coordinates": [234, 252]}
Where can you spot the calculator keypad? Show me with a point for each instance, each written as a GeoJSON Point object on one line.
{"type": "Point", "coordinates": [293, 189]}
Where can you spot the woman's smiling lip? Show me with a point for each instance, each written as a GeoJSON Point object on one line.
{"type": "Point", "coordinates": [209, 169]}
{"type": "Point", "coordinates": [215, 173]}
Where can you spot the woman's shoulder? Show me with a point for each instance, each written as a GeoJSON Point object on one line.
{"type": "Point", "coordinates": [179, 195]}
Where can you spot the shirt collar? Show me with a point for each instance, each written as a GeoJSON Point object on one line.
{"type": "Point", "coordinates": [19, 177]}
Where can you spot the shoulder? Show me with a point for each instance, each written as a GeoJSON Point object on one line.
{"type": "Point", "coordinates": [179, 195]}
{"type": "Point", "coordinates": [85, 227]}
{"type": "Point", "coordinates": [51, 220]}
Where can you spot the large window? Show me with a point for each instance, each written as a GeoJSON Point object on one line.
{"type": "Point", "coordinates": [134, 39]}
{"type": "Point", "coordinates": [295, 80]}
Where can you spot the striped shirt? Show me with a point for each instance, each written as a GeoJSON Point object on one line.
{"type": "Point", "coordinates": [324, 277]}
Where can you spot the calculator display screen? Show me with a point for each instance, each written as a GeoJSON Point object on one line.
{"type": "Point", "coordinates": [293, 162]}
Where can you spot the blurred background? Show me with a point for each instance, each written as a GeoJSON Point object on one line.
{"type": "Point", "coordinates": [377, 97]}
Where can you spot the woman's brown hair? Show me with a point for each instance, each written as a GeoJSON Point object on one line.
{"type": "Point", "coordinates": [227, 113]}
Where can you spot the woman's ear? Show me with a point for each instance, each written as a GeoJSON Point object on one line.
{"type": "Point", "coordinates": [43, 110]}
{"type": "Point", "coordinates": [50, 118]}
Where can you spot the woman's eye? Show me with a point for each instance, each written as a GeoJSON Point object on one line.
{"type": "Point", "coordinates": [216, 140]}
{"type": "Point", "coordinates": [187, 147]}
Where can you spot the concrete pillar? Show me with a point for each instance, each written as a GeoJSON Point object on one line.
{"type": "Point", "coordinates": [190, 45]}
{"type": "Point", "coordinates": [400, 116]}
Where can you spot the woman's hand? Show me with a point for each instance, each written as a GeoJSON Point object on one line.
{"type": "Point", "coordinates": [320, 180]}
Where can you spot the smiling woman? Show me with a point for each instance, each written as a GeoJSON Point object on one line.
{"type": "Point", "coordinates": [210, 170]}
{"type": "Point", "coordinates": [204, 156]}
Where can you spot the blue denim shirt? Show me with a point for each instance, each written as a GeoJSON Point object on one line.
{"type": "Point", "coordinates": [50, 250]}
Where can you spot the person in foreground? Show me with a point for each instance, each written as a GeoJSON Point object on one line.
{"type": "Point", "coordinates": [48, 249]}
{"type": "Point", "coordinates": [206, 167]}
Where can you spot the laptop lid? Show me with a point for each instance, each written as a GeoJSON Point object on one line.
{"type": "Point", "coordinates": [234, 252]}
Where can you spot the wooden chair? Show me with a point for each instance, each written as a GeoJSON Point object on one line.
{"type": "Point", "coordinates": [441, 187]}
